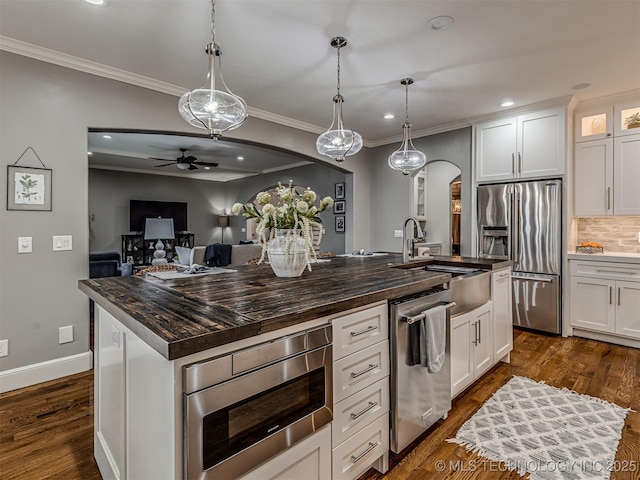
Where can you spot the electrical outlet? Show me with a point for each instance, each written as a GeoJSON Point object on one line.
{"type": "Point", "coordinates": [65, 334]}
{"type": "Point", "coordinates": [397, 233]}
{"type": "Point", "coordinates": [4, 348]}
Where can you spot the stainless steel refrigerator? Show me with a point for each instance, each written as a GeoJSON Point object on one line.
{"type": "Point", "coordinates": [523, 222]}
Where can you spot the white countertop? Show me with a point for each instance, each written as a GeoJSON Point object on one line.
{"type": "Point", "coordinates": [606, 257]}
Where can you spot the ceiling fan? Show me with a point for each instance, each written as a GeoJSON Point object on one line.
{"type": "Point", "coordinates": [185, 163]}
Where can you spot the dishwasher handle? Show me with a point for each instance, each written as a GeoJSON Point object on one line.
{"type": "Point", "coordinates": [420, 316]}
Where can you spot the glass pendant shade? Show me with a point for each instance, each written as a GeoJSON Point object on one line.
{"type": "Point", "coordinates": [216, 111]}
{"type": "Point", "coordinates": [338, 142]}
{"type": "Point", "coordinates": [406, 158]}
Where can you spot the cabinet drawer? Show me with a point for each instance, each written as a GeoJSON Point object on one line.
{"type": "Point", "coordinates": [356, 454]}
{"type": "Point", "coordinates": [609, 270]}
{"type": "Point", "coordinates": [355, 412]}
{"type": "Point", "coordinates": [358, 330]}
{"type": "Point", "coordinates": [360, 370]}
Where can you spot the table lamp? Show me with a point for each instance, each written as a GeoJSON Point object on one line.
{"type": "Point", "coordinates": [223, 222]}
{"type": "Point", "coordinates": [161, 229]}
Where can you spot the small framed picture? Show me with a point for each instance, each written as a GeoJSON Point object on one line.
{"type": "Point", "coordinates": [339, 193]}
{"type": "Point", "coordinates": [340, 224]}
{"type": "Point", "coordinates": [339, 207]}
{"type": "Point", "coordinates": [28, 188]}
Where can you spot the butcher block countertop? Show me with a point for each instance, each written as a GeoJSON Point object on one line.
{"type": "Point", "coordinates": [179, 317]}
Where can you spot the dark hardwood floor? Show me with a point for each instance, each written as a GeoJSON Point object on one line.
{"type": "Point", "coordinates": [46, 430]}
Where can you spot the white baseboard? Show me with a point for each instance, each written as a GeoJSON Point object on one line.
{"type": "Point", "coordinates": [42, 372]}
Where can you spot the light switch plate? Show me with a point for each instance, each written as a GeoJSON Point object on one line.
{"type": "Point", "coordinates": [25, 245]}
{"type": "Point", "coordinates": [62, 242]}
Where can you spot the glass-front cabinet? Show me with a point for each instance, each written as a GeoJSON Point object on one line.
{"type": "Point", "coordinates": [627, 118]}
{"type": "Point", "coordinates": [594, 124]}
{"type": "Point", "coordinates": [420, 195]}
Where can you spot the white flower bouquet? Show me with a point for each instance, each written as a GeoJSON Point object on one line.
{"type": "Point", "coordinates": [289, 210]}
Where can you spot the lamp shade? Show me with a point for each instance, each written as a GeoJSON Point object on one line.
{"type": "Point", "coordinates": [158, 228]}
{"type": "Point", "coordinates": [223, 220]}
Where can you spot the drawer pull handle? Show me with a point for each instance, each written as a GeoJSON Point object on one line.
{"type": "Point", "coordinates": [616, 272]}
{"type": "Point", "coordinates": [366, 370]}
{"type": "Point", "coordinates": [366, 409]}
{"type": "Point", "coordinates": [371, 446]}
{"type": "Point", "coordinates": [362, 332]}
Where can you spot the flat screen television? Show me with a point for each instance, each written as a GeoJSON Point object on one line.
{"type": "Point", "coordinates": [139, 210]}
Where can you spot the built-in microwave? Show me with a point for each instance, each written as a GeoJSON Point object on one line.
{"type": "Point", "coordinates": [245, 407]}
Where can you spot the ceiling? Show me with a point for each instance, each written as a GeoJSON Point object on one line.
{"type": "Point", "coordinates": [276, 53]}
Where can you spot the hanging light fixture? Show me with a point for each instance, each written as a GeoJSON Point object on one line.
{"type": "Point", "coordinates": [407, 158]}
{"type": "Point", "coordinates": [340, 142]}
{"type": "Point", "coordinates": [217, 111]}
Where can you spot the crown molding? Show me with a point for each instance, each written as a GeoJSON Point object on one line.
{"type": "Point", "coordinates": [51, 56]}
{"type": "Point", "coordinates": [565, 102]}
{"type": "Point", "coordinates": [447, 127]}
{"type": "Point", "coordinates": [46, 55]}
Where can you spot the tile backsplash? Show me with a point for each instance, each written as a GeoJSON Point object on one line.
{"type": "Point", "coordinates": [616, 234]}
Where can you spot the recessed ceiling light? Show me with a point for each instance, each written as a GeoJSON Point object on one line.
{"type": "Point", "coordinates": [99, 3]}
{"type": "Point", "coordinates": [207, 168]}
{"type": "Point", "coordinates": [106, 136]}
{"type": "Point", "coordinates": [507, 103]}
{"type": "Point", "coordinates": [389, 116]}
{"type": "Point", "coordinates": [240, 158]}
{"type": "Point", "coordinates": [581, 86]}
{"type": "Point", "coordinates": [440, 24]}
{"type": "Point", "coordinates": [89, 153]}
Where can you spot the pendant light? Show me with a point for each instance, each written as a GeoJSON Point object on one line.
{"type": "Point", "coordinates": [407, 158]}
{"type": "Point", "coordinates": [340, 142]}
{"type": "Point", "coordinates": [217, 111]}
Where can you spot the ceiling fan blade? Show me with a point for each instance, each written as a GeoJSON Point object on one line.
{"type": "Point", "coordinates": [192, 167]}
{"type": "Point", "coordinates": [164, 164]}
{"type": "Point", "coordinates": [206, 164]}
{"type": "Point", "coordinates": [161, 159]}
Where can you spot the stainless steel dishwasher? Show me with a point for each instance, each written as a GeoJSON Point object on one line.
{"type": "Point", "coordinates": [418, 398]}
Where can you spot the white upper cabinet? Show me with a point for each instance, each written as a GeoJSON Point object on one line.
{"type": "Point", "coordinates": [595, 123]}
{"type": "Point", "coordinates": [594, 178]}
{"type": "Point", "coordinates": [626, 175]}
{"type": "Point", "coordinates": [526, 146]}
{"type": "Point", "coordinates": [607, 158]}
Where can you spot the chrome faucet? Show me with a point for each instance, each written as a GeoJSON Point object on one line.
{"type": "Point", "coordinates": [408, 243]}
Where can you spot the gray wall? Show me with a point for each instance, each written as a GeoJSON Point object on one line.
{"type": "Point", "coordinates": [51, 108]}
{"type": "Point", "coordinates": [392, 190]}
{"type": "Point", "coordinates": [110, 192]}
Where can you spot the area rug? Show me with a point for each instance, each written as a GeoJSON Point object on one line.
{"type": "Point", "coordinates": [547, 432]}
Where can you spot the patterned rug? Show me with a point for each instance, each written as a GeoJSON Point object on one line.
{"type": "Point", "coordinates": [548, 432]}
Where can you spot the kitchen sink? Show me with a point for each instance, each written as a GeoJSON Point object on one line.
{"type": "Point", "coordinates": [470, 287]}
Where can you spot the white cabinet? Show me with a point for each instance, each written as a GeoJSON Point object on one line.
{"type": "Point", "coordinates": [501, 296]}
{"type": "Point", "coordinates": [360, 427]}
{"type": "Point", "coordinates": [607, 158]}
{"type": "Point", "coordinates": [471, 347]}
{"type": "Point", "coordinates": [593, 178]}
{"type": "Point", "coordinates": [607, 174]}
{"type": "Point", "coordinates": [309, 459]}
{"type": "Point", "coordinates": [605, 297]}
{"type": "Point", "coordinates": [526, 146]}
{"type": "Point", "coordinates": [420, 195]}
{"type": "Point", "coordinates": [626, 175]}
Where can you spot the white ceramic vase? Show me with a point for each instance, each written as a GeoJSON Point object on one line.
{"type": "Point", "coordinates": [287, 253]}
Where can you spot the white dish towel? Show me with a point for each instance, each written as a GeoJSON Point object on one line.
{"type": "Point", "coordinates": [433, 338]}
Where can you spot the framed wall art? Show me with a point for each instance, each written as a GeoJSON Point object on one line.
{"type": "Point", "coordinates": [28, 188]}
{"type": "Point", "coordinates": [340, 224]}
{"type": "Point", "coordinates": [339, 193]}
{"type": "Point", "coordinates": [339, 207]}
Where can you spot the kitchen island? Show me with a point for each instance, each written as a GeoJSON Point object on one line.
{"type": "Point", "coordinates": [148, 329]}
